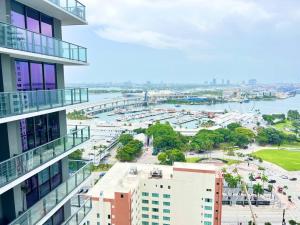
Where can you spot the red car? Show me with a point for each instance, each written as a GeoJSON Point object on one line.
{"type": "Point", "coordinates": [258, 177]}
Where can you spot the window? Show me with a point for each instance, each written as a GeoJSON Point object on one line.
{"type": "Point", "coordinates": [155, 202]}
{"type": "Point", "coordinates": [161, 186]}
{"type": "Point", "coordinates": [122, 196]}
{"type": "Point", "coordinates": [169, 187]}
{"type": "Point", "coordinates": [156, 195]}
{"type": "Point", "coordinates": [145, 194]}
{"type": "Point", "coordinates": [145, 223]}
{"type": "Point", "coordinates": [207, 215]}
{"type": "Point", "coordinates": [156, 217]}
{"type": "Point", "coordinates": [33, 21]}
{"type": "Point", "coordinates": [145, 216]}
{"type": "Point", "coordinates": [207, 207]}
{"type": "Point", "coordinates": [98, 215]}
{"type": "Point", "coordinates": [166, 210]}
{"type": "Point", "coordinates": [145, 208]}
{"type": "Point", "coordinates": [145, 201]}
{"type": "Point", "coordinates": [207, 223]}
{"type": "Point", "coordinates": [208, 189]}
{"type": "Point", "coordinates": [98, 223]}
{"type": "Point", "coordinates": [208, 200]}
{"type": "Point", "coordinates": [166, 218]}
{"type": "Point", "coordinates": [166, 204]}
{"type": "Point", "coordinates": [166, 196]}
{"type": "Point", "coordinates": [153, 223]}
{"type": "Point", "coordinates": [154, 209]}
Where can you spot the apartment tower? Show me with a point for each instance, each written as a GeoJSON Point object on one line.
{"type": "Point", "coordinates": [38, 183]}
{"type": "Point", "coordinates": [146, 194]}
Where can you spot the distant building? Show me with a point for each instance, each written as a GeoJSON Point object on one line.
{"type": "Point", "coordinates": [228, 82]}
{"type": "Point", "coordinates": [146, 194]}
{"type": "Point", "coordinates": [252, 82]}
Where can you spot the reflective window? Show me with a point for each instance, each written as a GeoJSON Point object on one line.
{"type": "Point", "coordinates": [46, 26]}
{"type": "Point", "coordinates": [32, 20]}
{"type": "Point", "coordinates": [22, 76]}
{"type": "Point", "coordinates": [36, 72]}
{"type": "Point", "coordinates": [50, 76]}
{"type": "Point", "coordinates": [17, 15]}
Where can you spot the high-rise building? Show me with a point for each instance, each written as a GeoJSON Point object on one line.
{"type": "Point", "coordinates": [145, 194]}
{"type": "Point", "coordinates": [37, 180]}
{"type": "Point", "coordinates": [252, 82]}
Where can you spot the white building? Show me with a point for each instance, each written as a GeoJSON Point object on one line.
{"type": "Point", "coordinates": [146, 194]}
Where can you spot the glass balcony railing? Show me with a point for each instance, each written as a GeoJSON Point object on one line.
{"type": "Point", "coordinates": [22, 164]}
{"type": "Point", "coordinates": [38, 211]}
{"type": "Point", "coordinates": [82, 207]}
{"type": "Point", "coordinates": [16, 38]}
{"type": "Point", "coordinates": [72, 6]}
{"type": "Point", "coordinates": [22, 102]}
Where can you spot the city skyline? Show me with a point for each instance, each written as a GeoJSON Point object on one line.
{"type": "Point", "coordinates": [221, 39]}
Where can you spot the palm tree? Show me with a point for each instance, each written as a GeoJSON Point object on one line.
{"type": "Point", "coordinates": [235, 170]}
{"type": "Point", "coordinates": [258, 190]}
{"type": "Point", "coordinates": [264, 178]}
{"type": "Point", "coordinates": [251, 177]}
{"type": "Point", "coordinates": [270, 188]}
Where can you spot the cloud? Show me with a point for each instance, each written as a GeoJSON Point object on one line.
{"type": "Point", "coordinates": [189, 24]}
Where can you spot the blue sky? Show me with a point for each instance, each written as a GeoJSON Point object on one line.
{"type": "Point", "coordinates": [188, 41]}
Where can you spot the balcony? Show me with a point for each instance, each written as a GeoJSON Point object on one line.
{"type": "Point", "coordinates": [24, 102]}
{"type": "Point", "coordinates": [69, 12]}
{"type": "Point", "coordinates": [81, 208]}
{"type": "Point", "coordinates": [19, 168]}
{"type": "Point", "coordinates": [47, 206]}
{"type": "Point", "coordinates": [25, 44]}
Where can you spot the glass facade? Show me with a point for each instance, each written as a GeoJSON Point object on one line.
{"type": "Point", "coordinates": [36, 131]}
{"type": "Point", "coordinates": [42, 183]}
{"type": "Point", "coordinates": [30, 19]}
{"type": "Point", "coordinates": [35, 76]}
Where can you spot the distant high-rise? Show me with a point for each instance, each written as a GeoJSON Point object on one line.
{"type": "Point", "coordinates": [214, 81]}
{"type": "Point", "coordinates": [252, 82]}
{"type": "Point", "coordinates": [37, 180]}
{"type": "Point", "coordinates": [228, 82]}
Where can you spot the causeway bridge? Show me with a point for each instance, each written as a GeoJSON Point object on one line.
{"type": "Point", "coordinates": [92, 109]}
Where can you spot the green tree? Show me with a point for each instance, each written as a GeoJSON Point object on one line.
{"type": "Point", "coordinates": [233, 126]}
{"type": "Point", "coordinates": [170, 156]}
{"type": "Point", "coordinates": [264, 179]}
{"type": "Point", "coordinates": [293, 115]}
{"type": "Point", "coordinates": [77, 155]}
{"type": "Point", "coordinates": [258, 189]}
{"type": "Point", "coordinates": [124, 139]}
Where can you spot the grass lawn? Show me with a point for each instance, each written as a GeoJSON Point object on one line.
{"type": "Point", "coordinates": [282, 126]}
{"type": "Point", "coordinates": [193, 160]}
{"type": "Point", "coordinates": [288, 160]}
{"type": "Point", "coordinates": [232, 161]}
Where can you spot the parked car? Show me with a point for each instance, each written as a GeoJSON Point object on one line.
{"type": "Point", "coordinates": [293, 179]}
{"type": "Point", "coordinates": [272, 181]}
{"type": "Point", "coordinates": [284, 177]}
{"type": "Point", "coordinates": [280, 189]}
{"type": "Point", "coordinates": [258, 177]}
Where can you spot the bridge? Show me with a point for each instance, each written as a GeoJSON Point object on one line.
{"type": "Point", "coordinates": [91, 109]}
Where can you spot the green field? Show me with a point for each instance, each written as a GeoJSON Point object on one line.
{"type": "Point", "coordinates": [283, 126]}
{"type": "Point", "coordinates": [288, 160]}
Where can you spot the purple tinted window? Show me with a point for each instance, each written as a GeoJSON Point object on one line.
{"type": "Point", "coordinates": [46, 26]}
{"type": "Point", "coordinates": [37, 82]}
{"type": "Point", "coordinates": [32, 19]}
{"type": "Point", "coordinates": [17, 15]}
{"type": "Point", "coordinates": [17, 19]}
{"type": "Point", "coordinates": [49, 74]}
{"type": "Point", "coordinates": [22, 76]}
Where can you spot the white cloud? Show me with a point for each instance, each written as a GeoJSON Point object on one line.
{"type": "Point", "coordinates": [186, 24]}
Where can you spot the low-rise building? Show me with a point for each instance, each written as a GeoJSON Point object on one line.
{"type": "Point", "coordinates": [135, 194]}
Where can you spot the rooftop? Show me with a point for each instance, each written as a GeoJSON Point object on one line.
{"type": "Point", "coordinates": [123, 177]}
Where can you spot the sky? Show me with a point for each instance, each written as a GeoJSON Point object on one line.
{"type": "Point", "coordinates": [188, 41]}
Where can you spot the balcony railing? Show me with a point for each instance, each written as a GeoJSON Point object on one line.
{"type": "Point", "coordinates": [22, 164]}
{"type": "Point", "coordinates": [22, 102]}
{"type": "Point", "coordinates": [72, 6]}
{"type": "Point", "coordinates": [50, 201]}
{"type": "Point", "coordinates": [82, 207]}
{"type": "Point", "coordinates": [16, 38]}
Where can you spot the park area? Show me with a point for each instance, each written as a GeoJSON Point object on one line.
{"type": "Point", "coordinates": [287, 159]}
